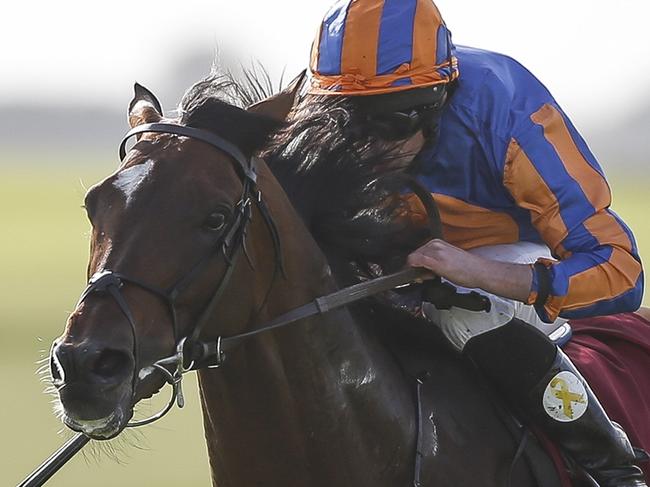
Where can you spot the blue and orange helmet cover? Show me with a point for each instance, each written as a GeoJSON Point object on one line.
{"type": "Point", "coordinates": [370, 47]}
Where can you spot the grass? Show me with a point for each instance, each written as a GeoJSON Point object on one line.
{"type": "Point", "coordinates": [42, 268]}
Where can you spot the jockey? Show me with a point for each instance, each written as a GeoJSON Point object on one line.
{"type": "Point", "coordinates": [523, 202]}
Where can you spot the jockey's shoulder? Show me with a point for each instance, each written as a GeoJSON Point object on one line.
{"type": "Point", "coordinates": [497, 89]}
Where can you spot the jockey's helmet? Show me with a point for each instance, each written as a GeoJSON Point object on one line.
{"type": "Point", "coordinates": [374, 47]}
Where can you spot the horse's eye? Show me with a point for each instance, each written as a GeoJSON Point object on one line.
{"type": "Point", "coordinates": [215, 221]}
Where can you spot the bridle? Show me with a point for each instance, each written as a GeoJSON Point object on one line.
{"type": "Point", "coordinates": [189, 354]}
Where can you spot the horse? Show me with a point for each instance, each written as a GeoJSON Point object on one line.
{"type": "Point", "coordinates": [186, 240]}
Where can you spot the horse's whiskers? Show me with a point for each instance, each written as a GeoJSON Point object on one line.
{"type": "Point", "coordinates": [43, 367]}
{"type": "Point", "coordinates": [115, 449]}
{"type": "Point", "coordinates": [57, 408]}
{"type": "Point", "coordinates": [43, 370]}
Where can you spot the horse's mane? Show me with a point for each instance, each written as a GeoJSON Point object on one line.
{"type": "Point", "coordinates": [217, 103]}
{"type": "Point", "coordinates": [342, 182]}
{"type": "Point", "coordinates": [243, 90]}
{"type": "Point", "coordinates": [339, 180]}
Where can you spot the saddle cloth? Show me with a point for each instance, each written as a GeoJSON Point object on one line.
{"type": "Point", "coordinates": [613, 354]}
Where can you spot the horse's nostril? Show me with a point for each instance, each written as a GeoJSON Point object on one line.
{"type": "Point", "coordinates": [55, 370]}
{"type": "Point", "coordinates": [111, 364]}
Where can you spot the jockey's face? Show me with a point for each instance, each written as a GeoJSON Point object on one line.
{"type": "Point", "coordinates": [399, 126]}
{"type": "Point", "coordinates": [403, 152]}
{"type": "Point", "coordinates": [411, 146]}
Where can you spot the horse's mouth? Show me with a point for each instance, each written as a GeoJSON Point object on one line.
{"type": "Point", "coordinates": [99, 429]}
{"type": "Point", "coordinates": [72, 409]}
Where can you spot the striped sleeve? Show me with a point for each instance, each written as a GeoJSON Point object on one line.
{"type": "Point", "coordinates": [550, 171]}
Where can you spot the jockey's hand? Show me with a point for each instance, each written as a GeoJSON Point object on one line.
{"type": "Point", "coordinates": [469, 270]}
{"type": "Point", "coordinates": [443, 259]}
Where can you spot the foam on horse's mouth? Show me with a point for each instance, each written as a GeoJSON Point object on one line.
{"type": "Point", "coordinates": [101, 429]}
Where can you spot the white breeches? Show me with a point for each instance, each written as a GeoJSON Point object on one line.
{"type": "Point", "coordinates": [459, 325]}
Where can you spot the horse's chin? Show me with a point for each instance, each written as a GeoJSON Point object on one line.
{"type": "Point", "coordinates": [100, 429]}
{"type": "Point", "coordinates": [101, 416]}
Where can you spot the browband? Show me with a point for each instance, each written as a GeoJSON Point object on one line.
{"type": "Point", "coordinates": [245, 165]}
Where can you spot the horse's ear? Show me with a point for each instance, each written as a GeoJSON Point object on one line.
{"type": "Point", "coordinates": [279, 105]}
{"type": "Point", "coordinates": [144, 108]}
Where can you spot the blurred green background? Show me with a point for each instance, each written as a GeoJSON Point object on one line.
{"type": "Point", "coordinates": [43, 257]}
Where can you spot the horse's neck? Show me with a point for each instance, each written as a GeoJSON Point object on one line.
{"type": "Point", "coordinates": [320, 403]}
{"type": "Point", "coordinates": [312, 403]}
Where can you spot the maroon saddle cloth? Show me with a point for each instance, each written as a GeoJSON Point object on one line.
{"type": "Point", "coordinates": [613, 354]}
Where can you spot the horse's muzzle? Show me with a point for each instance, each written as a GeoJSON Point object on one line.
{"type": "Point", "coordinates": [94, 386]}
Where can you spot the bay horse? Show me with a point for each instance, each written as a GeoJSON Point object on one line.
{"type": "Point", "coordinates": [329, 401]}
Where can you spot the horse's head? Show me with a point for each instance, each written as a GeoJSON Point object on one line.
{"type": "Point", "coordinates": [165, 228]}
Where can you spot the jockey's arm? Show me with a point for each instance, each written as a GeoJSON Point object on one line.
{"type": "Point", "coordinates": [550, 172]}
{"type": "Point", "coordinates": [462, 268]}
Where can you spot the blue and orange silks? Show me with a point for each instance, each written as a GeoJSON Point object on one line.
{"type": "Point", "coordinates": [380, 46]}
{"type": "Point", "coordinates": [509, 166]}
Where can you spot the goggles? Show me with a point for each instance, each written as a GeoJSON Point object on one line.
{"type": "Point", "coordinates": [401, 125]}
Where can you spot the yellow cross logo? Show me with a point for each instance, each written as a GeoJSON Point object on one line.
{"type": "Point", "coordinates": [566, 396]}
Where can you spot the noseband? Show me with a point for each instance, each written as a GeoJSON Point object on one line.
{"type": "Point", "coordinates": [188, 352]}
